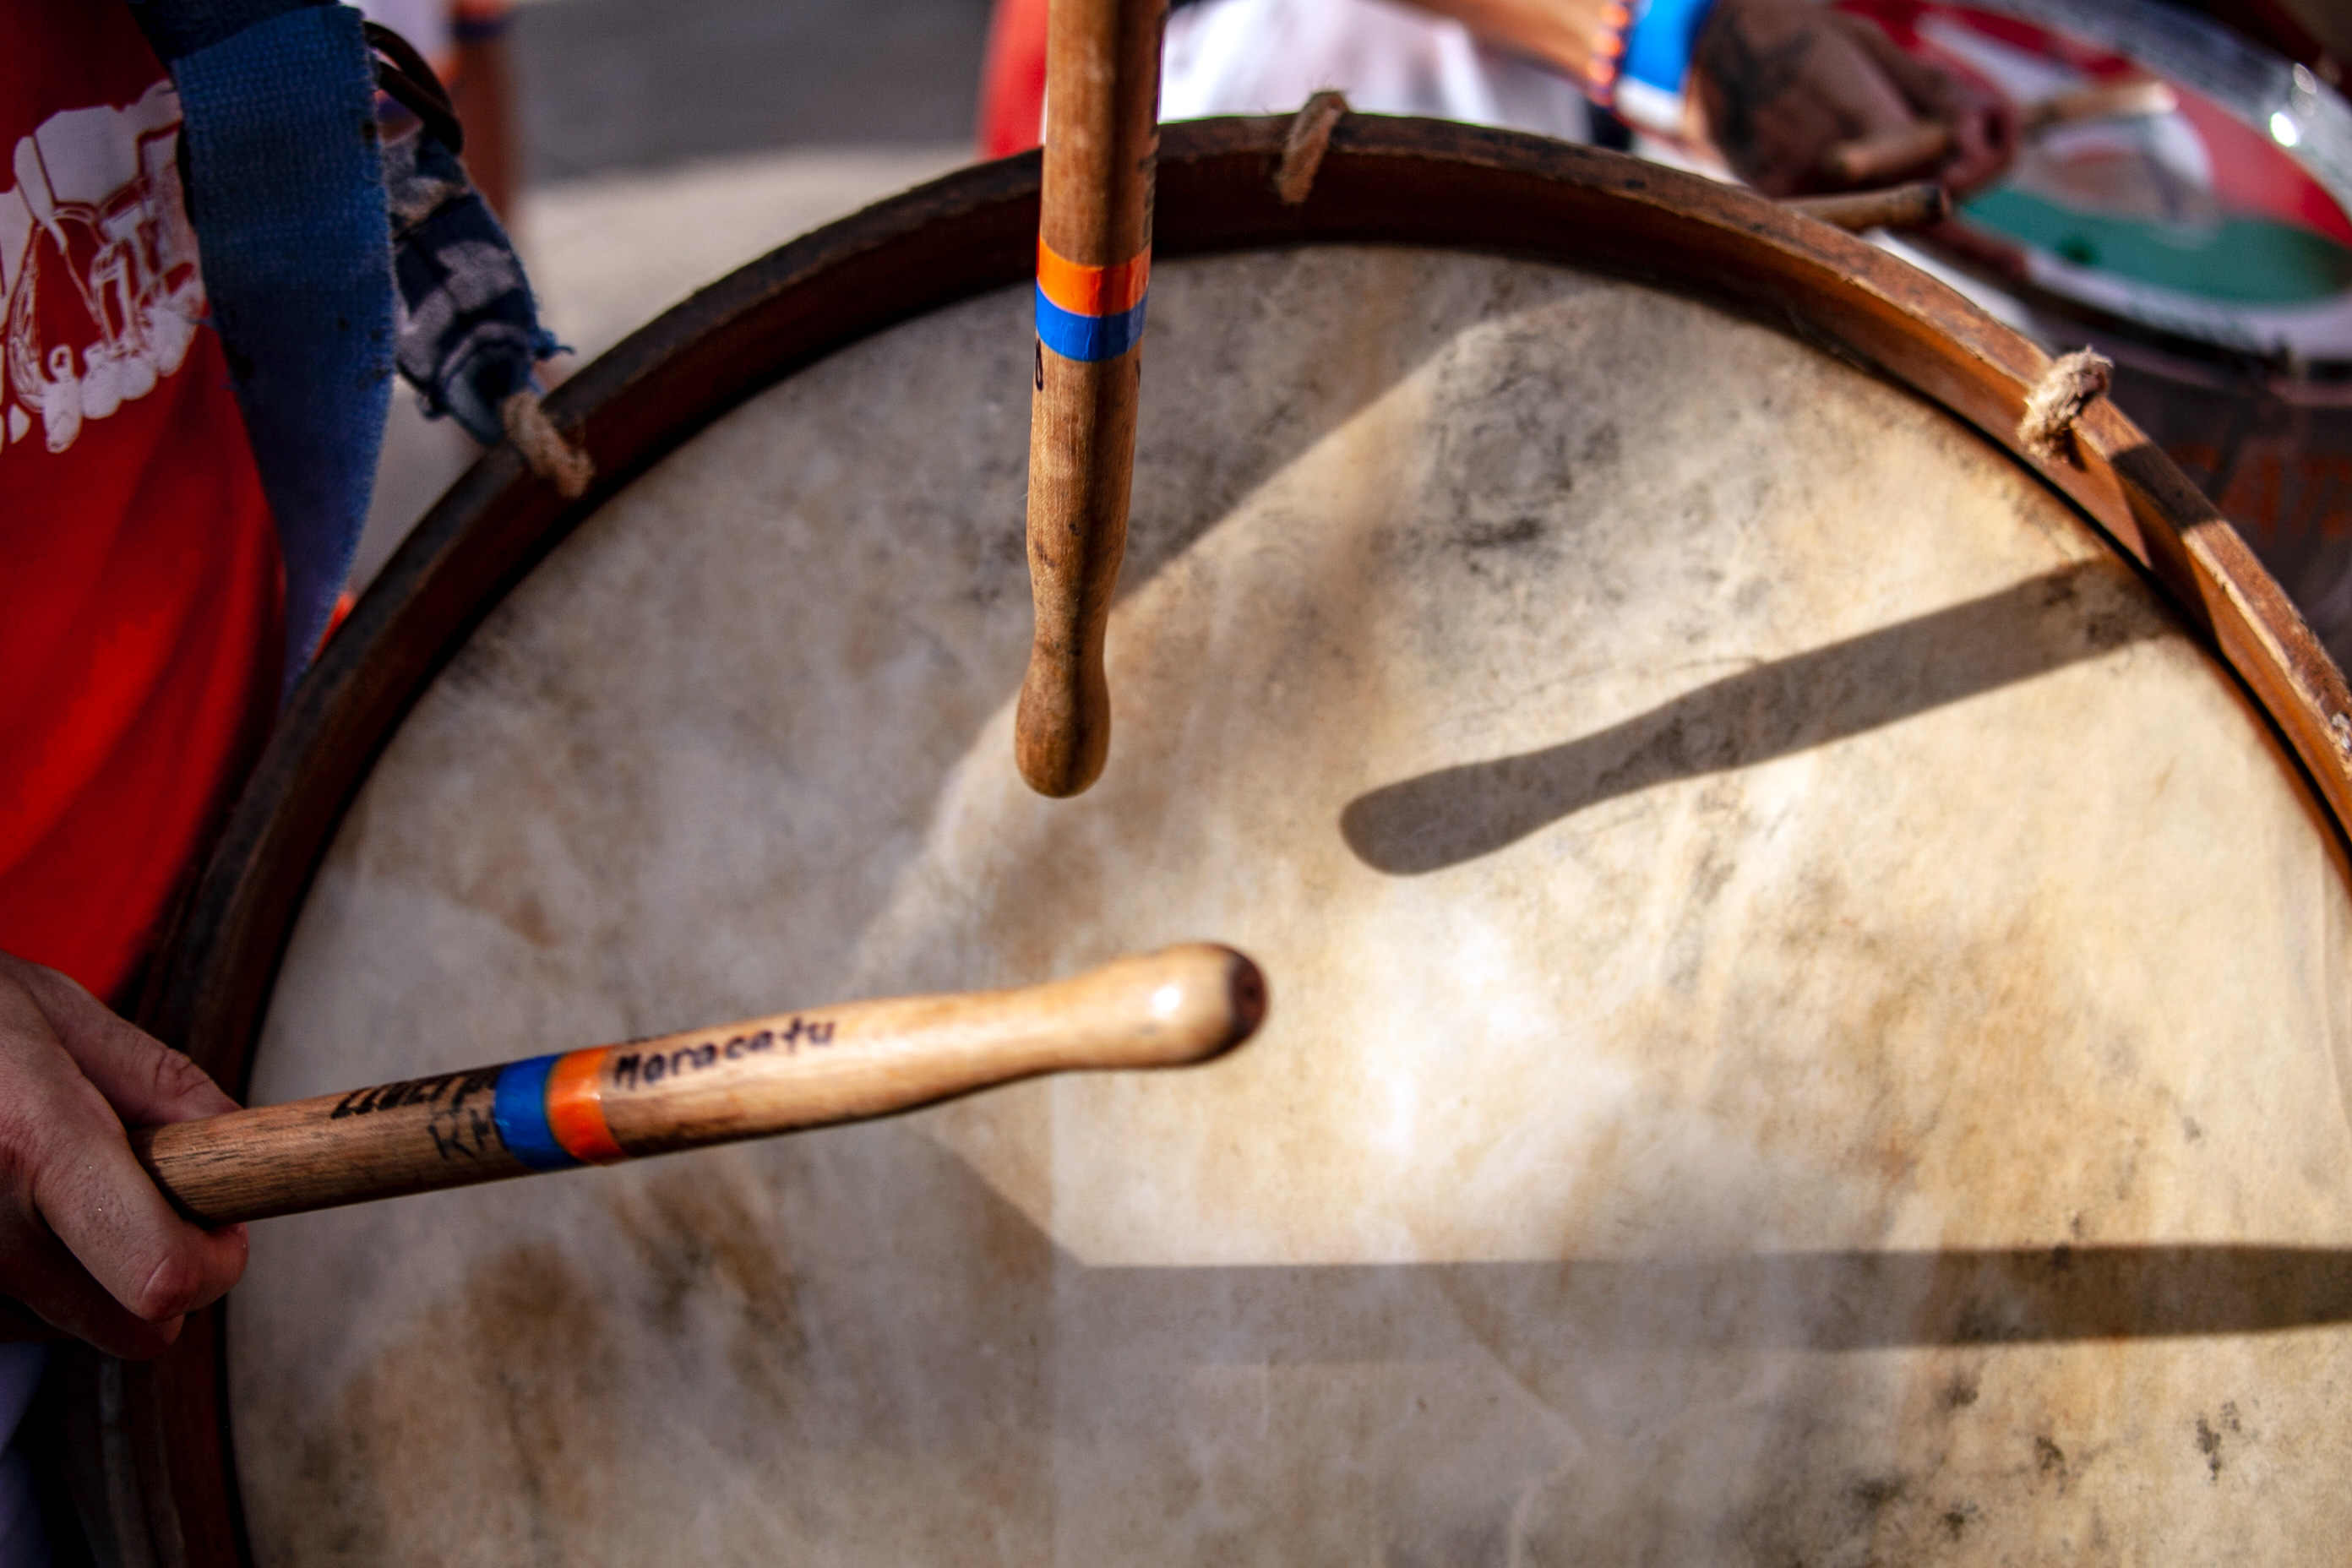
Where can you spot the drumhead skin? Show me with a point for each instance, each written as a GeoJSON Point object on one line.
{"type": "Point", "coordinates": [1808, 1000]}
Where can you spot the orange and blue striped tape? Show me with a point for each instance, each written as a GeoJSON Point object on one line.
{"type": "Point", "coordinates": [551, 1111]}
{"type": "Point", "coordinates": [1090, 313]}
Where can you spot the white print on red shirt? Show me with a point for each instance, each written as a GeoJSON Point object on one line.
{"type": "Point", "coordinates": [98, 265]}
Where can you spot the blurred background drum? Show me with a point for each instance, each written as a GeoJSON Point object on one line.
{"type": "Point", "coordinates": [1809, 952]}
{"type": "Point", "coordinates": [2206, 250]}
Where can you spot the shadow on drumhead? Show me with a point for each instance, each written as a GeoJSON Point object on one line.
{"type": "Point", "coordinates": [1854, 1300]}
{"type": "Point", "coordinates": [1845, 688]}
{"type": "Point", "coordinates": [860, 1333]}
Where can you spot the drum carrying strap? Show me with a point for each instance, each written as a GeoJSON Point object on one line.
{"type": "Point", "coordinates": [284, 171]}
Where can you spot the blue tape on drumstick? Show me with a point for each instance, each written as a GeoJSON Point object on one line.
{"type": "Point", "coordinates": [519, 1109]}
{"type": "Point", "coordinates": [1073, 336]}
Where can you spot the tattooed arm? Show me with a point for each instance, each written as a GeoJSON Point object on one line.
{"type": "Point", "coordinates": [1779, 83]}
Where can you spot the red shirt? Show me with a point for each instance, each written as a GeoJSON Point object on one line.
{"type": "Point", "coordinates": [141, 590]}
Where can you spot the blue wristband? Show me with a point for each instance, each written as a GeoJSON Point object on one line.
{"type": "Point", "coordinates": [1658, 49]}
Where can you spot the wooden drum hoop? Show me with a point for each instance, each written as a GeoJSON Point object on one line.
{"type": "Point", "coordinates": [152, 1466]}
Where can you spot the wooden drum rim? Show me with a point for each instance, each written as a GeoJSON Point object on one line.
{"type": "Point", "coordinates": [164, 1460]}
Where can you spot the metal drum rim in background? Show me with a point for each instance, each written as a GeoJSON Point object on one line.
{"type": "Point", "coordinates": [156, 1472]}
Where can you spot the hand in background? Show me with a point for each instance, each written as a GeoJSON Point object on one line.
{"type": "Point", "coordinates": [86, 1241]}
{"type": "Point", "coordinates": [1779, 83]}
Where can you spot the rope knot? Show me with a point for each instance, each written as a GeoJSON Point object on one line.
{"type": "Point", "coordinates": [1302, 148]}
{"type": "Point", "coordinates": [2068, 387]}
{"type": "Point", "coordinates": [544, 450]}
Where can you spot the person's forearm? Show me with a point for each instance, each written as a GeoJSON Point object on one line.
{"type": "Point", "coordinates": [1559, 33]}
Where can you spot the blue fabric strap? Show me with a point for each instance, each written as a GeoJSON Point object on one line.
{"type": "Point", "coordinates": [287, 193]}
{"type": "Point", "coordinates": [285, 186]}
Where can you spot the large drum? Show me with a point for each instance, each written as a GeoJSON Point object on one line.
{"type": "Point", "coordinates": [1809, 952]}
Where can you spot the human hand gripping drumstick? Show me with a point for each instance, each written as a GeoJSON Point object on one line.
{"type": "Point", "coordinates": [1869, 159]}
{"type": "Point", "coordinates": [609, 1104]}
{"type": "Point", "coordinates": [1094, 262]}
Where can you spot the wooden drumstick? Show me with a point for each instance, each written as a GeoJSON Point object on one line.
{"type": "Point", "coordinates": [609, 1104]}
{"type": "Point", "coordinates": [1898, 207]}
{"type": "Point", "coordinates": [1094, 263]}
{"type": "Point", "coordinates": [1886, 153]}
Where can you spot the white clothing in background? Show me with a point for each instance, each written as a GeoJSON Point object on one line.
{"type": "Point", "coordinates": [1267, 57]}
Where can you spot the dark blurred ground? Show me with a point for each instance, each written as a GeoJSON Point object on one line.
{"type": "Point", "coordinates": [609, 85]}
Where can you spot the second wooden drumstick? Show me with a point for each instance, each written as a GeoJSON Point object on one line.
{"type": "Point", "coordinates": [752, 1079]}
{"type": "Point", "coordinates": [1093, 265]}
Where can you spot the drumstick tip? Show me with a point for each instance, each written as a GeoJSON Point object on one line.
{"type": "Point", "coordinates": [1209, 996]}
{"type": "Point", "coordinates": [1245, 995]}
{"type": "Point", "coordinates": [1061, 726]}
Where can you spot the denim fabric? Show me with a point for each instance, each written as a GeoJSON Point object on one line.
{"type": "Point", "coordinates": [286, 189]}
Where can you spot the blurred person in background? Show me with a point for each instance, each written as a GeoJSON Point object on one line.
{"type": "Point", "coordinates": [1767, 86]}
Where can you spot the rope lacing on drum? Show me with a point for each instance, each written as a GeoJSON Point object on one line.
{"type": "Point", "coordinates": [2058, 400]}
{"type": "Point", "coordinates": [543, 447]}
{"type": "Point", "coordinates": [1302, 148]}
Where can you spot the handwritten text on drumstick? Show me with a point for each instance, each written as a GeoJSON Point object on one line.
{"type": "Point", "coordinates": [630, 1067]}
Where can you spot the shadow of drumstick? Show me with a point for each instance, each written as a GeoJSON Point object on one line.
{"type": "Point", "coordinates": [1458, 814]}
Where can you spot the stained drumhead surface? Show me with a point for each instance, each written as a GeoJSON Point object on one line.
{"type": "Point", "coordinates": [1807, 1014]}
